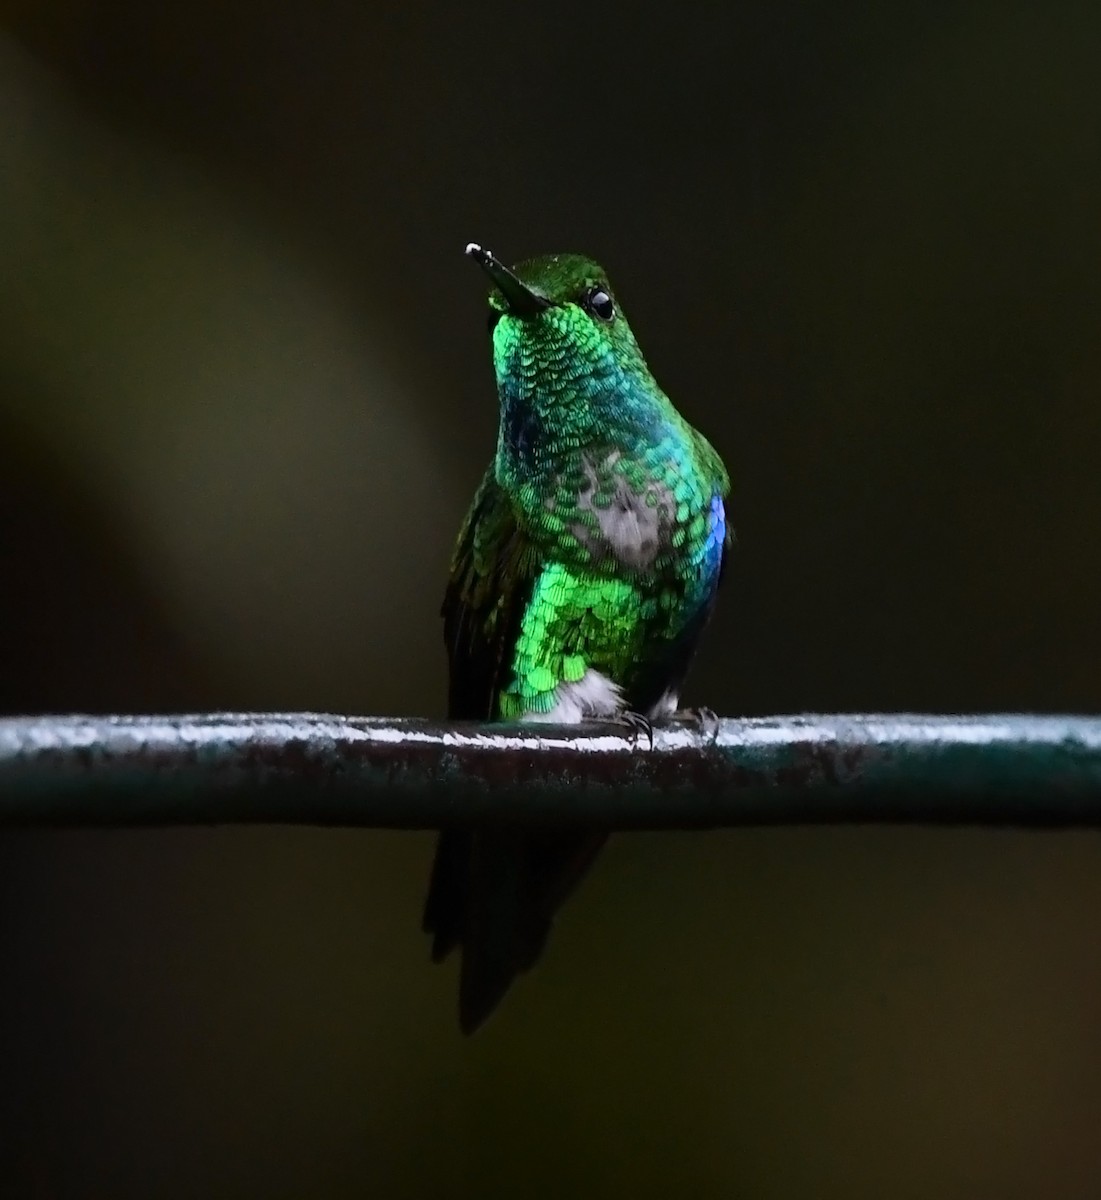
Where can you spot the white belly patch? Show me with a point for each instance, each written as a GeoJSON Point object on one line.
{"type": "Point", "coordinates": [591, 697]}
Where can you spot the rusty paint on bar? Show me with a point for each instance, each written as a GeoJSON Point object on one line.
{"type": "Point", "coordinates": [309, 769]}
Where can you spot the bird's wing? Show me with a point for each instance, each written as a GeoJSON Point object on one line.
{"type": "Point", "coordinates": [495, 891]}
{"type": "Point", "coordinates": [482, 609]}
{"type": "Point", "coordinates": [492, 574]}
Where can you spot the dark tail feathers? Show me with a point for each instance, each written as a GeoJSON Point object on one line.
{"type": "Point", "coordinates": [495, 895]}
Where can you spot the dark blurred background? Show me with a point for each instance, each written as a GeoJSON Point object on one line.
{"type": "Point", "coordinates": [245, 394]}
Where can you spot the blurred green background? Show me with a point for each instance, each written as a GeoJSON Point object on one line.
{"type": "Point", "coordinates": [244, 396]}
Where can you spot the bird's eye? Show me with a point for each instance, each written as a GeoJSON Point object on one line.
{"type": "Point", "coordinates": [599, 303]}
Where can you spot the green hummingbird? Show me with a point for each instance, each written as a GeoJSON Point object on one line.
{"type": "Point", "coordinates": [583, 576]}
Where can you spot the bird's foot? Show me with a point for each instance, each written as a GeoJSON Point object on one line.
{"type": "Point", "coordinates": [638, 725]}
{"type": "Point", "coordinates": [704, 721]}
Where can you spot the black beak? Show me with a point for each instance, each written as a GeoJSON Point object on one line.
{"type": "Point", "coordinates": [520, 299]}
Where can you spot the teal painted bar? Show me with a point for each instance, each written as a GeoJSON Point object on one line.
{"type": "Point", "coordinates": [308, 769]}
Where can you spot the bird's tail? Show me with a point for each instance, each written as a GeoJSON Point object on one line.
{"type": "Point", "coordinates": [495, 894]}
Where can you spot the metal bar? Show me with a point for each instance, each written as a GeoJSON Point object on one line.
{"type": "Point", "coordinates": [312, 769]}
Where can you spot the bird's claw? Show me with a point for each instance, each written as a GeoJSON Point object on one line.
{"type": "Point", "coordinates": [702, 720]}
{"type": "Point", "coordinates": [638, 725]}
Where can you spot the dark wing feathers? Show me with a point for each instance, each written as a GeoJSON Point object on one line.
{"type": "Point", "coordinates": [490, 892]}
{"type": "Point", "coordinates": [491, 579]}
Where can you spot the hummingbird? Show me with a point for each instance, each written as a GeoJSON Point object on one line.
{"type": "Point", "coordinates": [584, 573]}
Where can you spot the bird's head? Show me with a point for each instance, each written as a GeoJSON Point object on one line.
{"type": "Point", "coordinates": [557, 328]}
